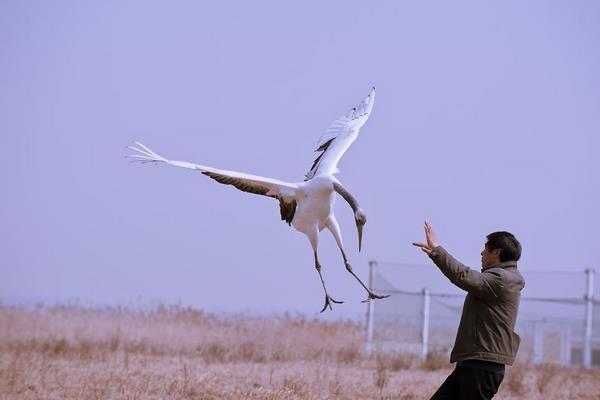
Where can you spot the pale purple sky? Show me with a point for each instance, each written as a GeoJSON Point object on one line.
{"type": "Point", "coordinates": [486, 118]}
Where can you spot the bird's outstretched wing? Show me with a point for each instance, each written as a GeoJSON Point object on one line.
{"type": "Point", "coordinates": [339, 136]}
{"type": "Point", "coordinates": [283, 191]}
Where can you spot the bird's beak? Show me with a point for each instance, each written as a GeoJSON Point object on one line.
{"type": "Point", "coordinates": [359, 227]}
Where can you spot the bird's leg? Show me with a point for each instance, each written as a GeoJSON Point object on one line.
{"type": "Point", "coordinates": [328, 299]}
{"type": "Point", "coordinates": [372, 296]}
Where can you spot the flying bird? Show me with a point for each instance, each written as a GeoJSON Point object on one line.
{"type": "Point", "coordinates": [307, 205]}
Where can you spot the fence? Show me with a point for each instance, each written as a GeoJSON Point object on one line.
{"type": "Point", "coordinates": [559, 316]}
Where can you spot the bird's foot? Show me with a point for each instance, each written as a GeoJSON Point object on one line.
{"type": "Point", "coordinates": [328, 301]}
{"type": "Point", "coordinates": [373, 296]}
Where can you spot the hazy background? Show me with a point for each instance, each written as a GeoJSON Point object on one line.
{"type": "Point", "coordinates": [486, 118]}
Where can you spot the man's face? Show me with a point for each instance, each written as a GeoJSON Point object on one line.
{"type": "Point", "coordinates": [489, 258]}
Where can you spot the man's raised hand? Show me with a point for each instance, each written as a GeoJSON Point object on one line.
{"type": "Point", "coordinates": [431, 237]}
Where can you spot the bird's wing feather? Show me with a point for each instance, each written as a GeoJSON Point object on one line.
{"type": "Point", "coordinates": [283, 191]}
{"type": "Point", "coordinates": [251, 183]}
{"type": "Point", "coordinates": [339, 136]}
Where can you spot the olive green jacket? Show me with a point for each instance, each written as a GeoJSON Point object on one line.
{"type": "Point", "coordinates": [486, 329]}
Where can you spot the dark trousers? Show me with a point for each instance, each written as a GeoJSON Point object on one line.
{"type": "Point", "coordinates": [471, 380]}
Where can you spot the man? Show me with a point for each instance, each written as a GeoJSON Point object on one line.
{"type": "Point", "coordinates": [485, 341]}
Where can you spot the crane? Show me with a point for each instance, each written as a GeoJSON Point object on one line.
{"type": "Point", "coordinates": [306, 205]}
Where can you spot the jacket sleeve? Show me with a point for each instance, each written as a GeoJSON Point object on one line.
{"type": "Point", "coordinates": [486, 285]}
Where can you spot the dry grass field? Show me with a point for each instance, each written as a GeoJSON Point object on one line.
{"type": "Point", "coordinates": [178, 353]}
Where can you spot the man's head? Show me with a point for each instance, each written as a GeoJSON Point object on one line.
{"type": "Point", "coordinates": [500, 247]}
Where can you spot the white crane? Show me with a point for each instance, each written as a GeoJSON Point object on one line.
{"type": "Point", "coordinates": [308, 205]}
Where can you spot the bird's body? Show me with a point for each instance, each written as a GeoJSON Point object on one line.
{"type": "Point", "coordinates": [308, 205]}
{"type": "Point", "coordinates": [315, 199]}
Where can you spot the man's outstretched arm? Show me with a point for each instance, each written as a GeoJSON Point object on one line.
{"type": "Point", "coordinates": [483, 285]}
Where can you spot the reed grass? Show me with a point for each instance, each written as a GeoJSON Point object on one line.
{"type": "Point", "coordinates": [173, 352]}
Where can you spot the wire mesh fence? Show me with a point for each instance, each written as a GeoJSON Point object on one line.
{"type": "Point", "coordinates": [558, 321]}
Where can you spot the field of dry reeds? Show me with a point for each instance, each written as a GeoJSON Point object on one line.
{"type": "Point", "coordinates": [181, 353]}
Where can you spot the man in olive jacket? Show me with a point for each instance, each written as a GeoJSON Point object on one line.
{"type": "Point", "coordinates": [485, 341]}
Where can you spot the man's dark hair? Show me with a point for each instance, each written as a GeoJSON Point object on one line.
{"type": "Point", "coordinates": [510, 248]}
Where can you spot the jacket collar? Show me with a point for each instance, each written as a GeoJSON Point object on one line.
{"type": "Point", "coordinates": [505, 264]}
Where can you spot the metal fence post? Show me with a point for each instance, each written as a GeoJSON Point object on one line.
{"type": "Point", "coordinates": [370, 309]}
{"type": "Point", "coordinates": [589, 307]}
{"type": "Point", "coordinates": [565, 345]}
{"type": "Point", "coordinates": [425, 324]}
{"type": "Point", "coordinates": [538, 343]}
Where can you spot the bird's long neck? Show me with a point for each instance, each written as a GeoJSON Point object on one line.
{"type": "Point", "coordinates": [346, 195]}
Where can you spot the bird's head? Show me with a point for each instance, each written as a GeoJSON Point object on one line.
{"type": "Point", "coordinates": [361, 219]}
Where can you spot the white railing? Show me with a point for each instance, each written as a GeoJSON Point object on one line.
{"type": "Point", "coordinates": [566, 336]}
